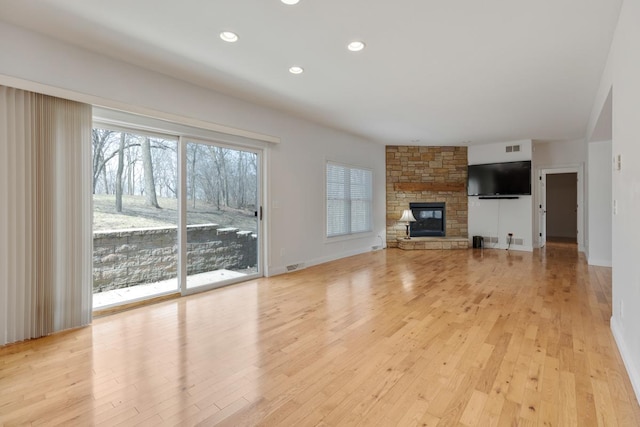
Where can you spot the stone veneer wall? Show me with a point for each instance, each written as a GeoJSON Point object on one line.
{"type": "Point", "coordinates": [426, 174]}
{"type": "Point", "coordinates": [131, 257]}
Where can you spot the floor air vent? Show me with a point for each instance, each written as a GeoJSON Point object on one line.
{"type": "Point", "coordinates": [294, 267]}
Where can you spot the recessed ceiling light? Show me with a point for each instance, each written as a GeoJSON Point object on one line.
{"type": "Point", "coordinates": [356, 46]}
{"type": "Point", "coordinates": [296, 70]}
{"type": "Point", "coordinates": [415, 140]}
{"type": "Point", "coordinates": [290, 2]}
{"type": "Point", "coordinates": [229, 36]}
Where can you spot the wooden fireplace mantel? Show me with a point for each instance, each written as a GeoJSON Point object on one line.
{"type": "Point", "coordinates": [430, 186]}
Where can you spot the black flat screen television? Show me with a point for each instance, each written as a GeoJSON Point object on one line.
{"type": "Point", "coordinates": [499, 179]}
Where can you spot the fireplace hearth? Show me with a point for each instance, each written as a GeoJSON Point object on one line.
{"type": "Point", "coordinates": [430, 219]}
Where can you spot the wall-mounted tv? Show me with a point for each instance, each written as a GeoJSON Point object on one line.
{"type": "Point", "coordinates": [499, 179]}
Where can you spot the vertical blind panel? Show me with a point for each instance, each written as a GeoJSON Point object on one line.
{"type": "Point", "coordinates": [45, 214]}
{"type": "Point", "coordinates": [17, 217]}
{"type": "Point", "coordinates": [4, 214]}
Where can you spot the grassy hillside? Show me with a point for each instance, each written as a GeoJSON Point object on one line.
{"type": "Point", "coordinates": [135, 214]}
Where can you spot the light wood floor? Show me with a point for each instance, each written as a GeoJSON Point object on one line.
{"type": "Point", "coordinates": [554, 239]}
{"type": "Point", "coordinates": [428, 338]}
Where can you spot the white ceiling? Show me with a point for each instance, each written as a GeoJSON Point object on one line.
{"type": "Point", "coordinates": [442, 72]}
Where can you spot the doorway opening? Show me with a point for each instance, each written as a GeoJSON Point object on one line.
{"type": "Point", "coordinates": [560, 202]}
{"type": "Point", "coordinates": [562, 208]}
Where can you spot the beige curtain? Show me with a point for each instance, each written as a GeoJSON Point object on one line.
{"type": "Point", "coordinates": [45, 215]}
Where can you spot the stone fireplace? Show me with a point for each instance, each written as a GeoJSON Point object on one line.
{"type": "Point", "coordinates": [416, 174]}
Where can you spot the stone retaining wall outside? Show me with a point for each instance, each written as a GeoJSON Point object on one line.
{"type": "Point", "coordinates": [126, 258]}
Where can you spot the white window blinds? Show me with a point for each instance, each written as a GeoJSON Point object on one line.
{"type": "Point", "coordinates": [348, 200]}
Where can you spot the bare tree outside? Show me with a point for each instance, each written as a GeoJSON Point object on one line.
{"type": "Point", "coordinates": [101, 139]}
{"type": "Point", "coordinates": [135, 213]}
{"type": "Point", "coordinates": [119, 173]}
{"type": "Point", "coordinates": [149, 182]}
{"type": "Point", "coordinates": [193, 151]}
{"type": "Point", "coordinates": [135, 174]}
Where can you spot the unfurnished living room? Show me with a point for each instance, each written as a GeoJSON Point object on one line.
{"type": "Point", "coordinates": [322, 213]}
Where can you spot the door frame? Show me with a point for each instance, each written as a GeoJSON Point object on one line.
{"type": "Point", "coordinates": [541, 201]}
{"type": "Point", "coordinates": [182, 131]}
{"type": "Point", "coordinates": [182, 213]}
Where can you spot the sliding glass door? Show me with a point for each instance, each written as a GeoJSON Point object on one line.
{"type": "Point", "coordinates": [135, 215]}
{"type": "Point", "coordinates": [222, 214]}
{"type": "Point", "coordinates": [171, 214]}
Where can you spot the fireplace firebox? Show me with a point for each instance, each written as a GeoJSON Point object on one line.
{"type": "Point", "coordinates": [430, 219]}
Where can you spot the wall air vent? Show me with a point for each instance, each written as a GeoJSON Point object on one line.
{"type": "Point", "coordinates": [512, 148]}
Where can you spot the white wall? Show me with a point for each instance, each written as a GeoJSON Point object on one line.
{"type": "Point", "coordinates": [623, 74]}
{"type": "Point", "coordinates": [295, 213]}
{"type": "Point", "coordinates": [497, 218]}
{"type": "Point", "coordinates": [599, 203]}
{"type": "Point", "coordinates": [496, 152]}
{"type": "Point", "coordinates": [548, 154]}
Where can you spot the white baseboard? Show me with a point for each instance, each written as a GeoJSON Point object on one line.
{"type": "Point", "coordinates": [632, 370]}
{"type": "Point", "coordinates": [275, 271]}
{"type": "Point", "coordinates": [599, 262]}
{"type": "Point", "coordinates": [512, 248]}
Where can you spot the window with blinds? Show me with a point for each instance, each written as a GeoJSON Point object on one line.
{"type": "Point", "coordinates": [348, 200]}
